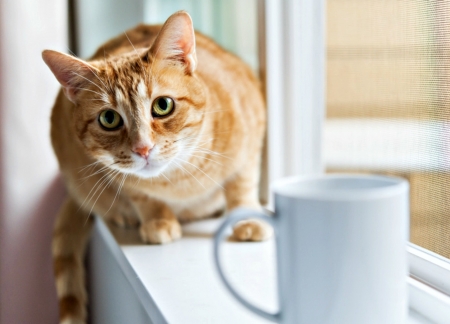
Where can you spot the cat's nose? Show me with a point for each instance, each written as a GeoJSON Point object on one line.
{"type": "Point", "coordinates": [143, 151]}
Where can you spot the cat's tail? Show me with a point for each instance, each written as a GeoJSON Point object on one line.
{"type": "Point", "coordinates": [70, 237]}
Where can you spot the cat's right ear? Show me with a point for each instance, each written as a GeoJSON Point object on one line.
{"type": "Point", "coordinates": [176, 41]}
{"type": "Point", "coordinates": [71, 72]}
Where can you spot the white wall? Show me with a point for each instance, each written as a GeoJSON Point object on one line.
{"type": "Point", "coordinates": [30, 192]}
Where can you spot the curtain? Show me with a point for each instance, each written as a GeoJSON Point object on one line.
{"type": "Point", "coordinates": [30, 191]}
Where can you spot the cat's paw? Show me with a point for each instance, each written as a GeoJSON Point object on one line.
{"type": "Point", "coordinates": [125, 221]}
{"type": "Point", "coordinates": [252, 230]}
{"type": "Point", "coordinates": [160, 231]}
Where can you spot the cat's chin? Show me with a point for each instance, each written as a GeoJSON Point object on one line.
{"type": "Point", "coordinates": [149, 171]}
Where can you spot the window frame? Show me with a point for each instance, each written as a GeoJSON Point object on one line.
{"type": "Point", "coordinates": [304, 22]}
{"type": "Point", "coordinates": [429, 268]}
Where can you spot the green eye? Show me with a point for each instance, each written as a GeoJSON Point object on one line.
{"type": "Point", "coordinates": [162, 106]}
{"type": "Point", "coordinates": [110, 119]}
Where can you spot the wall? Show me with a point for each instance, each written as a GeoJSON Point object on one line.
{"type": "Point", "coordinates": [30, 192]}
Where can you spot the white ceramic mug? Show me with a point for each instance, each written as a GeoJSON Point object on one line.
{"type": "Point", "coordinates": [341, 249]}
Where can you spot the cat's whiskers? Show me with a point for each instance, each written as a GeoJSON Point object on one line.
{"type": "Point", "coordinates": [203, 173]}
{"type": "Point", "coordinates": [162, 173]}
{"type": "Point", "coordinates": [100, 88]}
{"type": "Point", "coordinates": [200, 143]}
{"type": "Point", "coordinates": [102, 100]}
{"type": "Point", "coordinates": [112, 178]}
{"type": "Point", "coordinates": [99, 181]}
{"type": "Point", "coordinates": [184, 169]}
{"type": "Point", "coordinates": [91, 164]}
{"type": "Point", "coordinates": [99, 94]}
{"type": "Point", "coordinates": [136, 183]}
{"type": "Point", "coordinates": [198, 149]}
{"type": "Point", "coordinates": [124, 177]}
{"type": "Point", "coordinates": [195, 136]}
{"type": "Point", "coordinates": [88, 170]}
{"type": "Point", "coordinates": [86, 178]}
{"type": "Point", "coordinates": [105, 178]}
{"type": "Point", "coordinates": [98, 77]}
{"type": "Point", "coordinates": [197, 144]}
{"type": "Point", "coordinates": [180, 139]}
{"type": "Point", "coordinates": [108, 183]}
{"type": "Point", "coordinates": [204, 157]}
{"type": "Point", "coordinates": [103, 168]}
{"type": "Point", "coordinates": [87, 166]}
{"type": "Point", "coordinates": [208, 151]}
{"type": "Point", "coordinates": [93, 72]}
{"type": "Point", "coordinates": [194, 145]}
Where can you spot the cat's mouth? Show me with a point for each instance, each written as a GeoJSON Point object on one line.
{"type": "Point", "coordinates": [150, 168]}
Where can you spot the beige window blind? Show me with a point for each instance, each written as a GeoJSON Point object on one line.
{"type": "Point", "coordinates": [388, 102]}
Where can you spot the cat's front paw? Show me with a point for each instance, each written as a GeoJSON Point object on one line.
{"type": "Point", "coordinates": [160, 231]}
{"type": "Point", "coordinates": [252, 230]}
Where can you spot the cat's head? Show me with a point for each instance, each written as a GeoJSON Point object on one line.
{"type": "Point", "coordinates": [141, 112]}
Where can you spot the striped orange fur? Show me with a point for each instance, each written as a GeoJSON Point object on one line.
{"type": "Point", "coordinates": [152, 169]}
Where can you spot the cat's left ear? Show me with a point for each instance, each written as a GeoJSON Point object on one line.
{"type": "Point", "coordinates": [71, 72]}
{"type": "Point", "coordinates": [176, 41]}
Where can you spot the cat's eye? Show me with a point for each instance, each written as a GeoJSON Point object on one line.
{"type": "Point", "coordinates": [110, 119]}
{"type": "Point", "coordinates": [162, 106]}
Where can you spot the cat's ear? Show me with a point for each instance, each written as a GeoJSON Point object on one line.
{"type": "Point", "coordinates": [70, 71]}
{"type": "Point", "coordinates": [176, 41]}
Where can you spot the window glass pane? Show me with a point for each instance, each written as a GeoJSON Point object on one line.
{"type": "Point", "coordinates": [388, 96]}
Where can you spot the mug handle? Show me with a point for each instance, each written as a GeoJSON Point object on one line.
{"type": "Point", "coordinates": [234, 217]}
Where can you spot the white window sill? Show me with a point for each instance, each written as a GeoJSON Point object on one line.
{"type": "Point", "coordinates": [131, 282]}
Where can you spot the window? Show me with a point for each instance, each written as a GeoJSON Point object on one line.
{"type": "Point", "coordinates": [385, 110]}
{"type": "Point", "coordinates": [388, 106]}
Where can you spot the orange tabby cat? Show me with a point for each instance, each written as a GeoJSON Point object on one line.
{"type": "Point", "coordinates": [167, 126]}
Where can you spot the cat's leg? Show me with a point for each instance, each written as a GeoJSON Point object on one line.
{"type": "Point", "coordinates": [242, 191]}
{"type": "Point", "coordinates": [158, 223]}
{"type": "Point", "coordinates": [70, 236]}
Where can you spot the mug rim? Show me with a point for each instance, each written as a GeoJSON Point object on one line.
{"type": "Point", "coordinates": [393, 186]}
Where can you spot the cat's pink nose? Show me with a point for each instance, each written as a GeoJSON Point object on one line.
{"type": "Point", "coordinates": [143, 151]}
